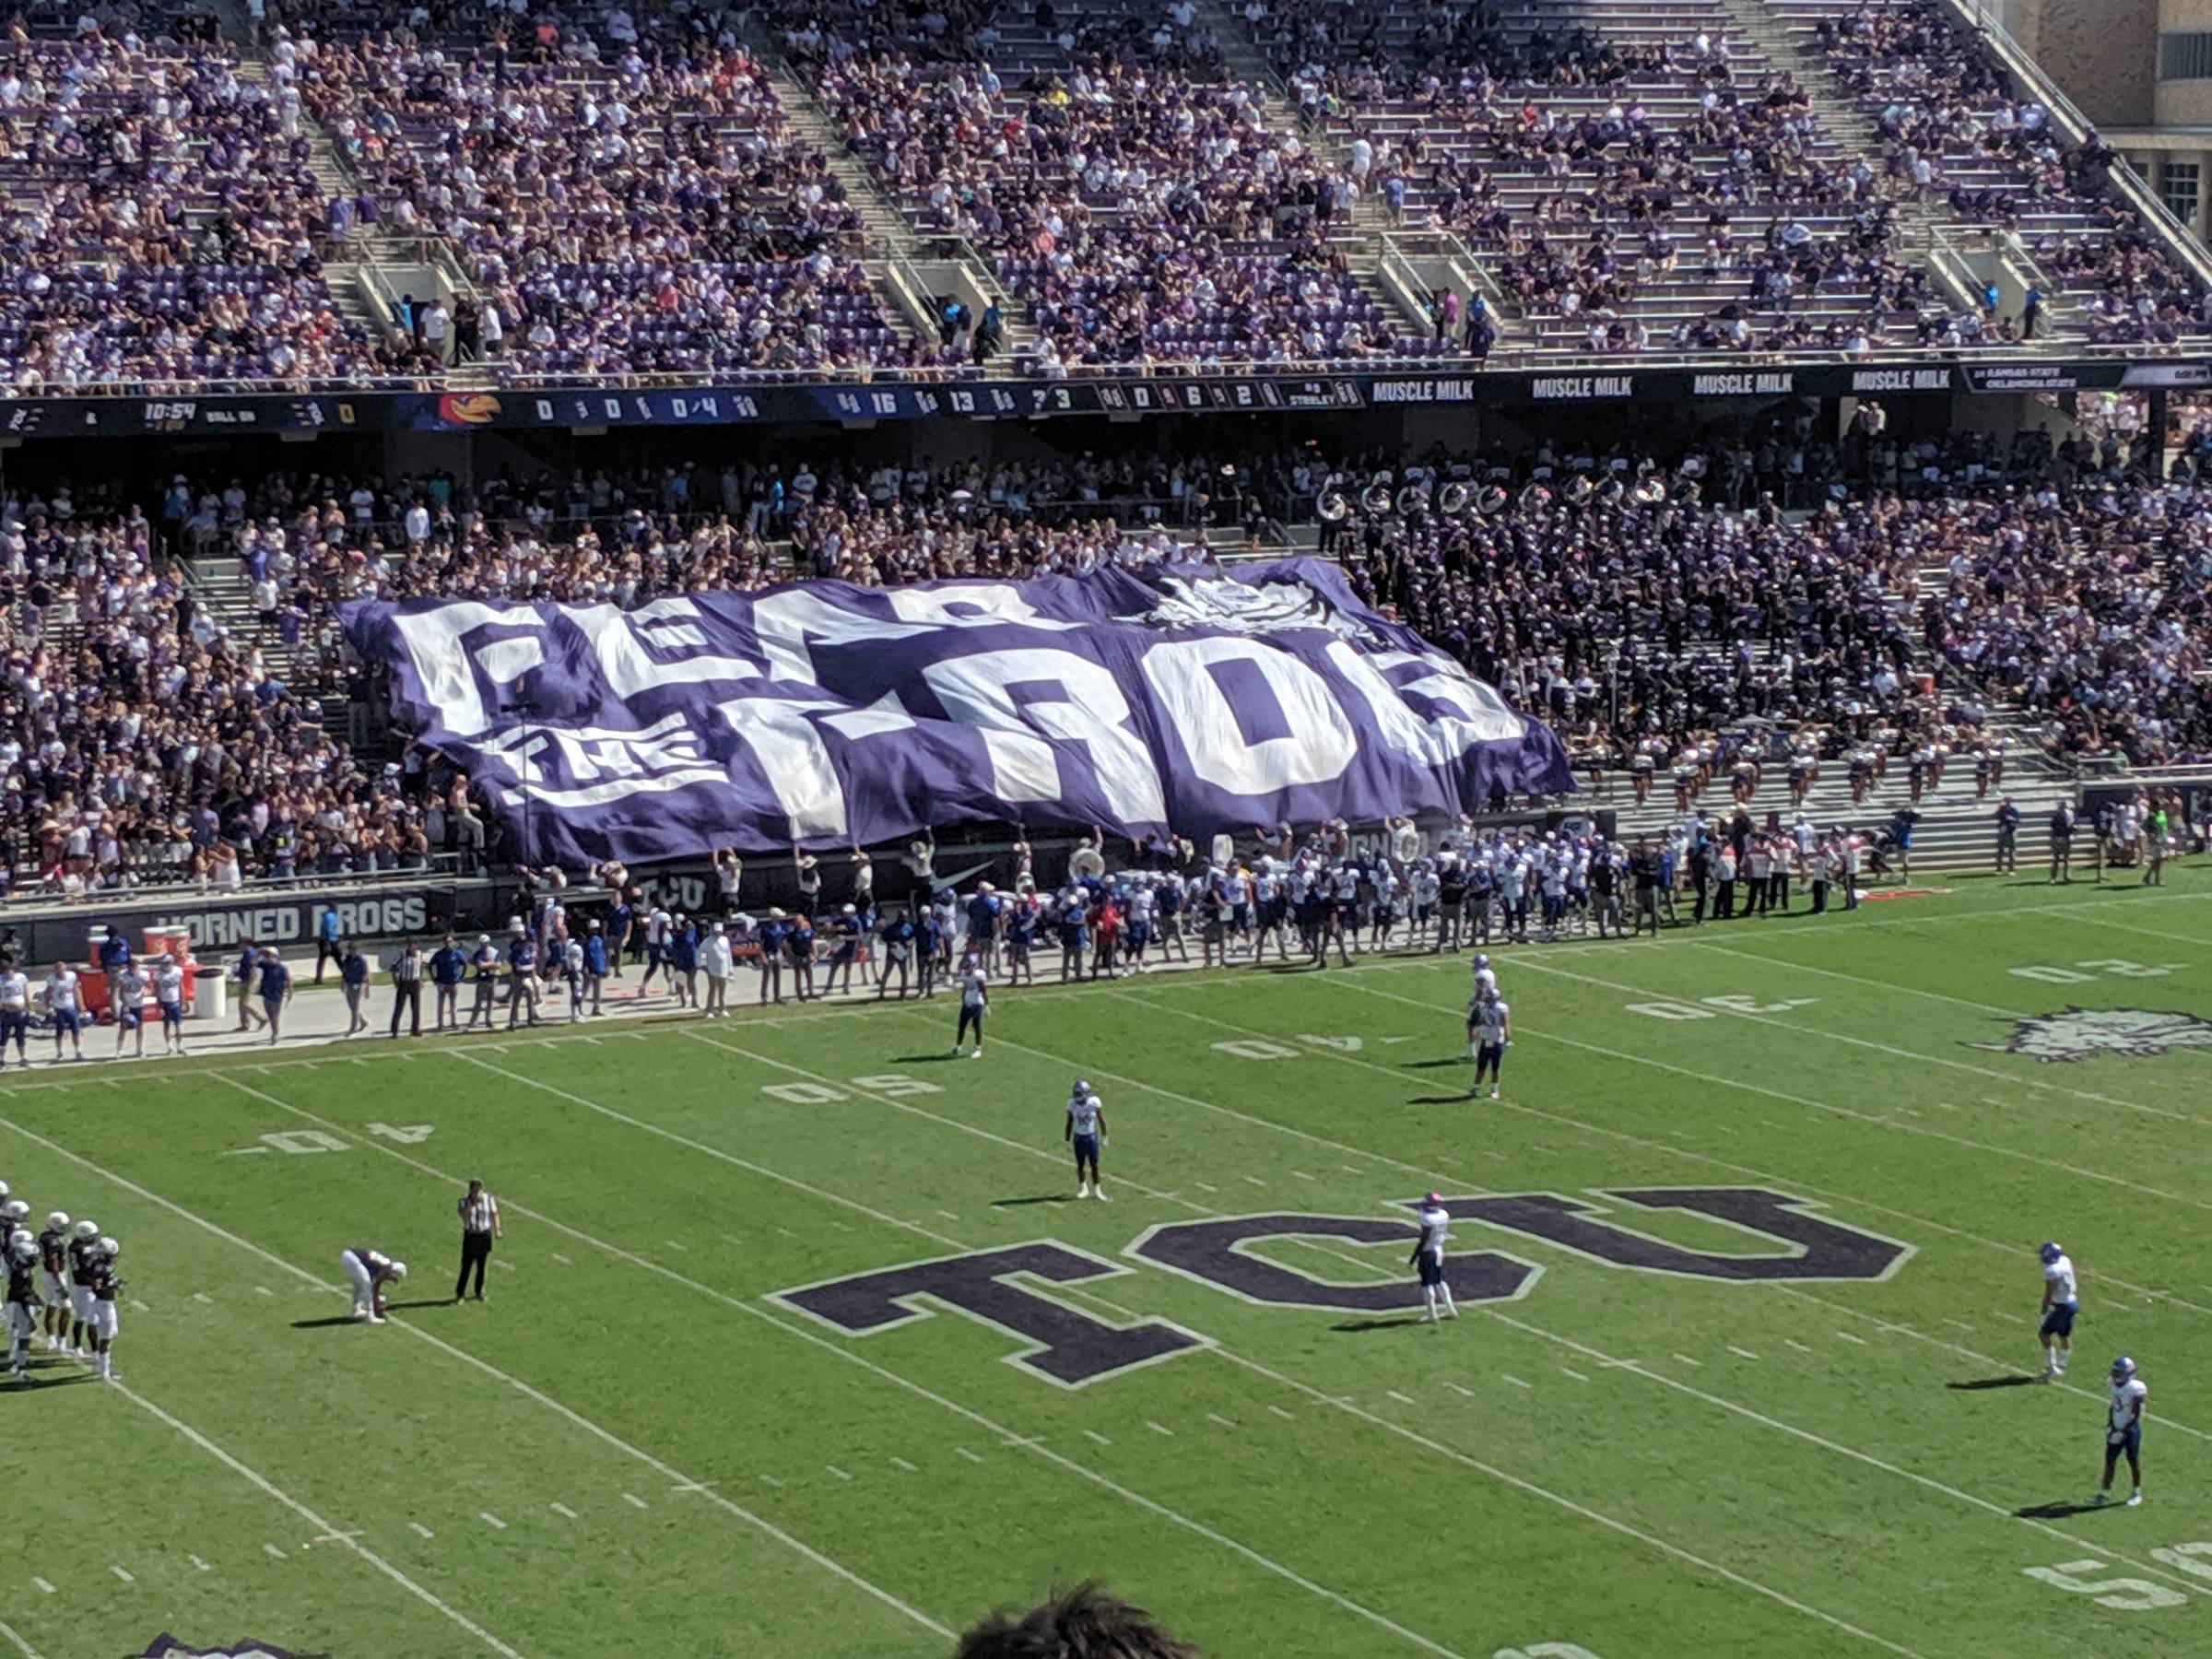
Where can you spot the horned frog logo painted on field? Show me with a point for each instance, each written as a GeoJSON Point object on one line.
{"type": "Point", "coordinates": [2080, 1033]}
{"type": "Point", "coordinates": [1243, 607]}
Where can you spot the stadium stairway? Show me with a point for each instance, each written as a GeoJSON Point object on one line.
{"type": "Point", "coordinates": [1243, 61]}
{"type": "Point", "coordinates": [222, 587]}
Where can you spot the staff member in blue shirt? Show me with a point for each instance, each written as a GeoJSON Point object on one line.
{"type": "Point", "coordinates": [329, 946]}
{"type": "Point", "coordinates": [683, 949]}
{"type": "Point", "coordinates": [594, 961]}
{"type": "Point", "coordinates": [276, 991]}
{"type": "Point", "coordinates": [521, 976]}
{"type": "Point", "coordinates": [449, 966]}
{"type": "Point", "coordinates": [246, 973]}
{"type": "Point", "coordinates": [484, 965]}
{"type": "Point", "coordinates": [353, 979]}
{"type": "Point", "coordinates": [771, 936]}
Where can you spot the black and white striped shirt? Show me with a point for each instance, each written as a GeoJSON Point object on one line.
{"type": "Point", "coordinates": [477, 1214]}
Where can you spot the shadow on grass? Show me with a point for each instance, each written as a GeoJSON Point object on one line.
{"type": "Point", "coordinates": [2059, 1512]}
{"type": "Point", "coordinates": [1353, 1327]}
{"type": "Point", "coordinates": [1978, 1383]}
{"type": "Point", "coordinates": [1039, 1198]}
{"type": "Point", "coordinates": [1433, 1064]}
{"type": "Point", "coordinates": [1450, 1100]}
{"type": "Point", "coordinates": [936, 1059]}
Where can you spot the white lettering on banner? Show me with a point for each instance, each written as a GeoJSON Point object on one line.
{"type": "Point", "coordinates": [624, 641]}
{"type": "Point", "coordinates": [793, 759]}
{"type": "Point", "coordinates": [976, 692]}
{"type": "Point", "coordinates": [787, 623]}
{"type": "Point", "coordinates": [1318, 742]}
{"type": "Point", "coordinates": [433, 643]}
{"type": "Point", "coordinates": [1482, 715]}
{"type": "Point", "coordinates": [604, 765]}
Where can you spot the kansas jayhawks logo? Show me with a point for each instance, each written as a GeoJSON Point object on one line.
{"type": "Point", "coordinates": [2079, 1033]}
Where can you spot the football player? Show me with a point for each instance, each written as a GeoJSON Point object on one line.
{"type": "Point", "coordinates": [1490, 1031]}
{"type": "Point", "coordinates": [975, 1001]}
{"type": "Point", "coordinates": [169, 995]}
{"type": "Point", "coordinates": [83, 1246]}
{"type": "Point", "coordinates": [1086, 1134]}
{"type": "Point", "coordinates": [64, 1001]}
{"type": "Point", "coordinates": [22, 1303]}
{"type": "Point", "coordinates": [127, 998]}
{"type": "Point", "coordinates": [2062, 1300]}
{"type": "Point", "coordinates": [369, 1271]}
{"type": "Point", "coordinates": [15, 1011]}
{"type": "Point", "coordinates": [54, 1261]}
{"type": "Point", "coordinates": [1428, 1259]}
{"type": "Point", "coordinates": [2123, 1431]}
{"type": "Point", "coordinates": [104, 1286]}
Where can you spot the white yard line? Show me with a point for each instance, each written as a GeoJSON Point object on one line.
{"type": "Point", "coordinates": [606, 1436]}
{"type": "Point", "coordinates": [1004, 1434]}
{"type": "Point", "coordinates": [1767, 1176]}
{"type": "Point", "coordinates": [270, 1489]}
{"type": "Point", "coordinates": [17, 1641]}
{"type": "Point", "coordinates": [1351, 1408]}
{"type": "Point", "coordinates": [2014, 1079]}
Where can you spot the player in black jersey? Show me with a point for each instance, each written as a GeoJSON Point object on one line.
{"type": "Point", "coordinates": [53, 1287]}
{"type": "Point", "coordinates": [22, 1304]}
{"type": "Point", "coordinates": [104, 1287]}
{"type": "Point", "coordinates": [82, 1246]}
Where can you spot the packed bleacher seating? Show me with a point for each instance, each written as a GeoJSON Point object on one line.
{"type": "Point", "coordinates": [642, 216]}
{"type": "Point", "coordinates": [1690, 632]}
{"type": "Point", "coordinates": [1144, 207]}
{"type": "Point", "coordinates": [163, 224]}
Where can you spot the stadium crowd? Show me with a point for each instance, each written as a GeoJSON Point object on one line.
{"type": "Point", "coordinates": [151, 737]}
{"type": "Point", "coordinates": [627, 193]}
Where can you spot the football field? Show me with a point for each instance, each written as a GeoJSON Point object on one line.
{"type": "Point", "coordinates": [798, 1344]}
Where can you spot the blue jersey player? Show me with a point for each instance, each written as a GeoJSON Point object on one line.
{"type": "Point", "coordinates": [2123, 1431]}
{"type": "Point", "coordinates": [2062, 1300]}
{"type": "Point", "coordinates": [1428, 1259]}
{"type": "Point", "coordinates": [1086, 1134]}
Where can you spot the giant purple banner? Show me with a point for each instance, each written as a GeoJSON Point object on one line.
{"type": "Point", "coordinates": [1171, 699]}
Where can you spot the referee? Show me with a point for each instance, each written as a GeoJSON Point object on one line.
{"type": "Point", "coordinates": [479, 1226]}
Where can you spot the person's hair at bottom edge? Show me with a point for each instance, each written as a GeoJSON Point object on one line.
{"type": "Point", "coordinates": [1082, 1623]}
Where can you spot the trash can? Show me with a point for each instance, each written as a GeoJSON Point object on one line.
{"type": "Point", "coordinates": [210, 996]}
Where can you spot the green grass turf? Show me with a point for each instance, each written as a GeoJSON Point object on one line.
{"type": "Point", "coordinates": [1640, 1465]}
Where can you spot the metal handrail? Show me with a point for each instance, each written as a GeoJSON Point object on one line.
{"type": "Point", "coordinates": [2078, 127]}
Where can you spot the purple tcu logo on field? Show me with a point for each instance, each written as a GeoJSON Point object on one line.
{"type": "Point", "coordinates": [1066, 1346]}
{"type": "Point", "coordinates": [2078, 1033]}
{"type": "Point", "coordinates": [168, 1647]}
{"type": "Point", "coordinates": [1072, 1348]}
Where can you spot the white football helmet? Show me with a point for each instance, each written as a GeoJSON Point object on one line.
{"type": "Point", "coordinates": [87, 1230]}
{"type": "Point", "coordinates": [58, 1222]}
{"type": "Point", "coordinates": [17, 1210]}
{"type": "Point", "coordinates": [3, 1189]}
{"type": "Point", "coordinates": [399, 1270]}
{"type": "Point", "coordinates": [19, 1237]}
{"type": "Point", "coordinates": [24, 1248]}
{"type": "Point", "coordinates": [108, 1247]}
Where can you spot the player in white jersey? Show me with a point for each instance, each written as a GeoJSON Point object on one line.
{"type": "Point", "coordinates": [169, 996]}
{"type": "Point", "coordinates": [1428, 1258]}
{"type": "Point", "coordinates": [66, 1003]}
{"type": "Point", "coordinates": [975, 1000]}
{"type": "Point", "coordinates": [1490, 1030]}
{"type": "Point", "coordinates": [2123, 1431]}
{"type": "Point", "coordinates": [127, 998]}
{"type": "Point", "coordinates": [1086, 1134]}
{"type": "Point", "coordinates": [1486, 977]}
{"type": "Point", "coordinates": [14, 1013]}
{"type": "Point", "coordinates": [2062, 1300]}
